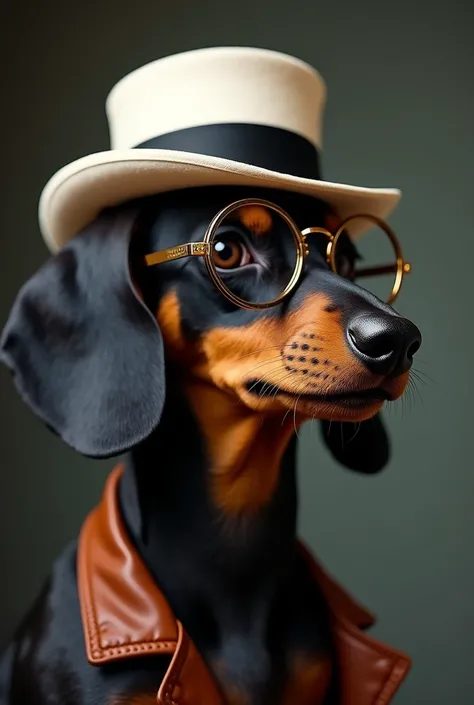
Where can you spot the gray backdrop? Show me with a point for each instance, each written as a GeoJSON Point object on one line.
{"type": "Point", "coordinates": [400, 113]}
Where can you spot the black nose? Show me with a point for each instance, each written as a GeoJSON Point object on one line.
{"type": "Point", "coordinates": [384, 343]}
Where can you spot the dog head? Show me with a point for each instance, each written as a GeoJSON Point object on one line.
{"type": "Point", "coordinates": [89, 334]}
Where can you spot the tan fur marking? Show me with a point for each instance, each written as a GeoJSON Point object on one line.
{"type": "Point", "coordinates": [169, 320]}
{"type": "Point", "coordinates": [145, 699]}
{"type": "Point", "coordinates": [257, 219]}
{"type": "Point", "coordinates": [245, 449]}
{"type": "Point", "coordinates": [261, 351]}
{"type": "Point", "coordinates": [309, 681]}
{"type": "Point", "coordinates": [247, 435]}
{"type": "Point", "coordinates": [332, 222]}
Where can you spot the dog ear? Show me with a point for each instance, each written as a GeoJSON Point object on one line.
{"type": "Point", "coordinates": [85, 352]}
{"type": "Point", "coordinates": [363, 447]}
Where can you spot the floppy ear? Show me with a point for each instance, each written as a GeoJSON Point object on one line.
{"type": "Point", "coordinates": [85, 352]}
{"type": "Point", "coordinates": [363, 447]}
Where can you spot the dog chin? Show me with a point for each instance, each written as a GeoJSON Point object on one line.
{"type": "Point", "coordinates": [340, 412]}
{"type": "Point", "coordinates": [350, 408]}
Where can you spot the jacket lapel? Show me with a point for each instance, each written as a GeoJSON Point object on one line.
{"type": "Point", "coordinates": [370, 672]}
{"type": "Point", "coordinates": [188, 680]}
{"type": "Point", "coordinates": [125, 615]}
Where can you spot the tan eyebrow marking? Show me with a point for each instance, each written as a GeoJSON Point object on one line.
{"type": "Point", "coordinates": [332, 222]}
{"type": "Point", "coordinates": [257, 219]}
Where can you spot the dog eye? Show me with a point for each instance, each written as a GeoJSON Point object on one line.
{"type": "Point", "coordinates": [230, 252]}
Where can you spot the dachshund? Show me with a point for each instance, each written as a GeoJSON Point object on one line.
{"type": "Point", "coordinates": [203, 399]}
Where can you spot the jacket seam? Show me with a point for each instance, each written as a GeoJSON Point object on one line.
{"type": "Point", "coordinates": [176, 669]}
{"type": "Point", "coordinates": [393, 682]}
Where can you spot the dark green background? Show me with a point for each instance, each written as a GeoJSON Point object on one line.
{"type": "Point", "coordinates": [400, 113]}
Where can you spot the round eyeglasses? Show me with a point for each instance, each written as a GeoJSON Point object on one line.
{"type": "Point", "coordinates": [255, 253]}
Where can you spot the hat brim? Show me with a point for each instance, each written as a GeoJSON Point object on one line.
{"type": "Point", "coordinates": [78, 192]}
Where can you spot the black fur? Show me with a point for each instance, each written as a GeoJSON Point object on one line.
{"type": "Point", "coordinates": [87, 356]}
{"type": "Point", "coordinates": [78, 339]}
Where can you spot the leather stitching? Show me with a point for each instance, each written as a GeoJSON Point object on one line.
{"type": "Point", "coordinates": [128, 648]}
{"type": "Point", "coordinates": [175, 672]}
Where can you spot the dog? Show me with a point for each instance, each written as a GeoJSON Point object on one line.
{"type": "Point", "coordinates": [203, 400]}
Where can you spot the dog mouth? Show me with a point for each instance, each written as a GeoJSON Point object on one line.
{"type": "Point", "coordinates": [357, 398]}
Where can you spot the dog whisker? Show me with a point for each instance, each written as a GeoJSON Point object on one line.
{"type": "Point", "coordinates": [357, 425]}
{"type": "Point", "coordinates": [265, 362]}
{"type": "Point", "coordinates": [409, 399]}
{"type": "Point", "coordinates": [294, 415]}
{"type": "Point", "coordinates": [271, 389]}
{"type": "Point", "coordinates": [260, 350]}
{"type": "Point", "coordinates": [415, 389]}
{"type": "Point", "coordinates": [418, 373]}
{"type": "Point", "coordinates": [260, 380]}
{"type": "Point", "coordinates": [267, 384]}
{"type": "Point", "coordinates": [287, 376]}
{"type": "Point", "coordinates": [286, 414]}
{"type": "Point", "coordinates": [275, 384]}
{"type": "Point", "coordinates": [420, 359]}
{"type": "Point", "coordinates": [419, 379]}
{"type": "Point", "coordinates": [408, 396]}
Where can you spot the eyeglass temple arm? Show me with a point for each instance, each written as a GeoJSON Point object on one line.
{"type": "Point", "coordinates": [384, 269]}
{"type": "Point", "coordinates": [190, 249]}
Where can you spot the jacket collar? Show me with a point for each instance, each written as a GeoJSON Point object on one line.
{"type": "Point", "coordinates": [125, 615]}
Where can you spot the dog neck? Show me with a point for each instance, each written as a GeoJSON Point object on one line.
{"type": "Point", "coordinates": [244, 450]}
{"type": "Point", "coordinates": [210, 501]}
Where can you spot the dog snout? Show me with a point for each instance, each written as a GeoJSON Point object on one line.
{"type": "Point", "coordinates": [384, 343]}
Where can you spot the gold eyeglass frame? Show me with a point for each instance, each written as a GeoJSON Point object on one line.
{"type": "Point", "coordinates": [204, 249]}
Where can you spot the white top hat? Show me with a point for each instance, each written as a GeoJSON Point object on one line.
{"type": "Point", "coordinates": [217, 116]}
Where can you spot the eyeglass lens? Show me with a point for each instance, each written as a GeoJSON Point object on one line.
{"type": "Point", "coordinates": [371, 261]}
{"type": "Point", "coordinates": [254, 253]}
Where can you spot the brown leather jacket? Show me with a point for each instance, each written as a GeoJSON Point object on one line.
{"type": "Point", "coordinates": [126, 616]}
